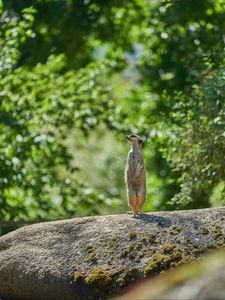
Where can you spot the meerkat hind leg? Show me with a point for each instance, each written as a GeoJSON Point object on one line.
{"type": "Point", "coordinates": [135, 210]}
{"type": "Point", "coordinates": [141, 200]}
{"type": "Point", "coordinates": [133, 203]}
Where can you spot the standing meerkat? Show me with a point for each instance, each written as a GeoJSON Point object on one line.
{"type": "Point", "coordinates": [135, 177]}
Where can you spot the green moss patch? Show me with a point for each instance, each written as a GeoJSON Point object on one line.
{"type": "Point", "coordinates": [128, 252]}
{"type": "Point", "coordinates": [152, 238]}
{"type": "Point", "coordinates": [168, 248]}
{"type": "Point", "coordinates": [99, 279]}
{"type": "Point", "coordinates": [120, 281]}
{"type": "Point", "coordinates": [144, 239]}
{"type": "Point", "coordinates": [205, 230]}
{"type": "Point", "coordinates": [211, 246]}
{"type": "Point", "coordinates": [139, 246]}
{"type": "Point", "coordinates": [217, 232]}
{"type": "Point", "coordinates": [77, 276]}
{"type": "Point", "coordinates": [110, 245]}
{"type": "Point", "coordinates": [161, 261]}
{"type": "Point", "coordinates": [128, 276]}
{"type": "Point", "coordinates": [89, 249]}
{"type": "Point", "coordinates": [187, 259]}
{"type": "Point", "coordinates": [91, 258]}
{"type": "Point", "coordinates": [221, 245]}
{"type": "Point", "coordinates": [175, 229]}
{"type": "Point", "coordinates": [133, 235]}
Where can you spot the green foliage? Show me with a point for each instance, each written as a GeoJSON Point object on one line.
{"type": "Point", "coordinates": [14, 32]}
{"type": "Point", "coordinates": [105, 68]}
{"type": "Point", "coordinates": [175, 36]}
{"type": "Point", "coordinates": [179, 101]}
{"type": "Point", "coordinates": [199, 153]}
{"type": "Point", "coordinates": [37, 106]}
{"type": "Point", "coordinates": [79, 29]}
{"type": "Point", "coordinates": [104, 154]}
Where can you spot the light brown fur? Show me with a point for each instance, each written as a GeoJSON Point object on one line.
{"type": "Point", "coordinates": [135, 177]}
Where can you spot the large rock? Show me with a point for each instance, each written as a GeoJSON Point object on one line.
{"type": "Point", "coordinates": [88, 258]}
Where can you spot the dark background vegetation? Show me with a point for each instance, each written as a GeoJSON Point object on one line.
{"type": "Point", "coordinates": [76, 76]}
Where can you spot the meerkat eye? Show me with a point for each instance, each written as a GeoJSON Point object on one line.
{"type": "Point", "coordinates": [132, 135]}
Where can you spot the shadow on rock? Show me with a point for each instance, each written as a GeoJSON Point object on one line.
{"type": "Point", "coordinates": [161, 221]}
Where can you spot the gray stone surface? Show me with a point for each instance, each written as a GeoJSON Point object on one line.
{"type": "Point", "coordinates": [96, 256]}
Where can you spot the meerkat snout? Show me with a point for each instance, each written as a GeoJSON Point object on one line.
{"type": "Point", "coordinates": [135, 176]}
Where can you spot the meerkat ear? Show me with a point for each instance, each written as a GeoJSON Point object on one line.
{"type": "Point", "coordinates": [140, 142]}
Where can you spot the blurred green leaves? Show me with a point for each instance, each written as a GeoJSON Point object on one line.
{"type": "Point", "coordinates": [154, 68]}
{"type": "Point", "coordinates": [14, 31]}
{"type": "Point", "coordinates": [37, 107]}
{"type": "Point", "coordinates": [201, 150]}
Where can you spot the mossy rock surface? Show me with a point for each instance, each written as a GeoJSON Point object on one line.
{"type": "Point", "coordinates": [95, 257]}
{"type": "Point", "coordinates": [200, 280]}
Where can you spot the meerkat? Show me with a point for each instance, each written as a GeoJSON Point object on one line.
{"type": "Point", "coordinates": [135, 176]}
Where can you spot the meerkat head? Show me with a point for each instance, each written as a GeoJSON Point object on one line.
{"type": "Point", "coordinates": [134, 139]}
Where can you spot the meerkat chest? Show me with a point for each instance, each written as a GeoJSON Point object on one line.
{"type": "Point", "coordinates": [134, 159]}
{"type": "Point", "coordinates": [135, 173]}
